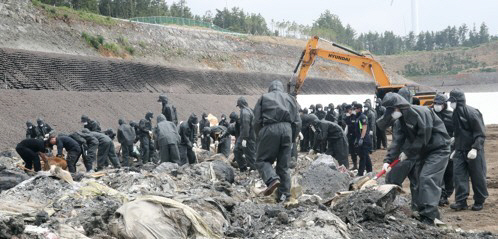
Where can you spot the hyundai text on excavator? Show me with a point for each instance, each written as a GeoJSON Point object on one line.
{"type": "Point", "coordinates": [355, 59]}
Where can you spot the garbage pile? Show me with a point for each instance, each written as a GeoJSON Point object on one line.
{"type": "Point", "coordinates": [210, 199]}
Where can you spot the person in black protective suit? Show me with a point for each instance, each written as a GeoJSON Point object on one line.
{"type": "Point", "coordinates": [372, 118]}
{"type": "Point", "coordinates": [349, 120]}
{"type": "Point", "coordinates": [167, 110]}
{"type": "Point", "coordinates": [126, 137]}
{"type": "Point", "coordinates": [106, 150]}
{"type": "Point", "coordinates": [145, 135]}
{"type": "Point", "coordinates": [72, 148]}
{"type": "Point", "coordinates": [277, 125]}
{"type": "Point", "coordinates": [136, 154]}
{"type": "Point", "coordinates": [224, 122]}
{"type": "Point", "coordinates": [312, 109]}
{"type": "Point", "coordinates": [167, 139]}
{"type": "Point", "coordinates": [89, 124]}
{"type": "Point", "coordinates": [188, 134]}
{"type": "Point", "coordinates": [89, 148]}
{"type": "Point", "coordinates": [320, 113]}
{"type": "Point", "coordinates": [468, 157]}
{"type": "Point", "coordinates": [305, 141]}
{"type": "Point", "coordinates": [43, 129]}
{"type": "Point", "coordinates": [406, 168]}
{"type": "Point", "coordinates": [245, 144]}
{"type": "Point", "coordinates": [337, 141]}
{"type": "Point", "coordinates": [31, 132]}
{"type": "Point", "coordinates": [362, 140]}
{"type": "Point", "coordinates": [441, 110]}
{"type": "Point", "coordinates": [221, 138]}
{"type": "Point", "coordinates": [381, 137]}
{"type": "Point", "coordinates": [331, 114]}
{"type": "Point", "coordinates": [205, 141]}
{"type": "Point", "coordinates": [29, 149]}
{"type": "Point", "coordinates": [418, 133]}
{"type": "Point", "coordinates": [341, 118]}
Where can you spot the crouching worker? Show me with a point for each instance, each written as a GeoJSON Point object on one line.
{"type": "Point", "coordinates": [333, 135]}
{"type": "Point", "coordinates": [221, 138]}
{"type": "Point", "coordinates": [72, 148]}
{"type": "Point", "coordinates": [106, 150]}
{"type": "Point", "coordinates": [126, 137]}
{"type": "Point", "coordinates": [418, 133]}
{"type": "Point", "coordinates": [167, 139]}
{"type": "Point", "coordinates": [28, 149]}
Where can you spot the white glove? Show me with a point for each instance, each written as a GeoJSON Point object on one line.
{"type": "Point", "coordinates": [452, 155]}
{"type": "Point", "coordinates": [194, 145]}
{"type": "Point", "coordinates": [301, 137]}
{"type": "Point", "coordinates": [371, 133]}
{"type": "Point", "coordinates": [244, 143]}
{"type": "Point", "coordinates": [150, 134]}
{"type": "Point", "coordinates": [472, 154]}
{"type": "Point", "coordinates": [312, 151]}
{"type": "Point", "coordinates": [313, 128]}
{"type": "Point", "coordinates": [202, 136]}
{"type": "Point", "coordinates": [452, 141]}
{"type": "Point", "coordinates": [402, 156]}
{"type": "Point", "coordinates": [46, 136]}
{"type": "Point", "coordinates": [216, 143]}
{"type": "Point", "coordinates": [385, 166]}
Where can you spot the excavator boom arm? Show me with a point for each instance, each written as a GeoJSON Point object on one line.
{"type": "Point", "coordinates": [368, 65]}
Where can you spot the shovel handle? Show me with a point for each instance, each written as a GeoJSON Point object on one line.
{"type": "Point", "coordinates": [390, 166]}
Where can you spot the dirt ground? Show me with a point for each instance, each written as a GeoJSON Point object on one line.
{"type": "Point", "coordinates": [468, 220]}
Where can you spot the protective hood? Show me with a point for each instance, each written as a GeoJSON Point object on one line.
{"type": "Point", "coordinates": [318, 106]}
{"type": "Point", "coordinates": [149, 115]}
{"type": "Point", "coordinates": [163, 98]}
{"type": "Point", "coordinates": [457, 95]}
{"type": "Point", "coordinates": [368, 106]}
{"type": "Point", "coordinates": [206, 130]}
{"type": "Point", "coordinates": [305, 111]}
{"type": "Point", "coordinates": [223, 116]}
{"type": "Point", "coordinates": [233, 117]}
{"type": "Point", "coordinates": [405, 93]}
{"type": "Point", "coordinates": [161, 118]}
{"type": "Point", "coordinates": [133, 124]}
{"type": "Point", "coordinates": [192, 120]}
{"type": "Point", "coordinates": [308, 120]}
{"type": "Point", "coordinates": [28, 123]}
{"type": "Point", "coordinates": [39, 121]}
{"type": "Point", "coordinates": [84, 119]}
{"type": "Point", "coordinates": [121, 121]}
{"type": "Point", "coordinates": [440, 99]}
{"type": "Point", "coordinates": [331, 106]}
{"type": "Point", "coordinates": [242, 102]}
{"type": "Point", "coordinates": [276, 85]}
{"type": "Point", "coordinates": [204, 115]}
{"type": "Point", "coordinates": [392, 100]}
{"type": "Point", "coordinates": [85, 131]}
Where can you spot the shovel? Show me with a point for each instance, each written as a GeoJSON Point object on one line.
{"type": "Point", "coordinates": [366, 181]}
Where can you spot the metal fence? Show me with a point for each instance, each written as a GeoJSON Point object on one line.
{"type": "Point", "coordinates": [178, 21]}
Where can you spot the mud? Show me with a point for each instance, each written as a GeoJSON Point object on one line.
{"type": "Point", "coordinates": [323, 178]}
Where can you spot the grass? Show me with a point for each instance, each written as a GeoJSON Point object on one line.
{"type": "Point", "coordinates": [66, 13]}
{"type": "Point", "coordinates": [120, 49]}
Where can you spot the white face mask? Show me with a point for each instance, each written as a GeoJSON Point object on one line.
{"type": "Point", "coordinates": [30, 127]}
{"type": "Point", "coordinates": [319, 109]}
{"type": "Point", "coordinates": [438, 108]}
{"type": "Point", "coordinates": [396, 114]}
{"type": "Point", "coordinates": [161, 103]}
{"type": "Point", "coordinates": [41, 125]}
{"type": "Point", "coordinates": [353, 112]}
{"type": "Point", "coordinates": [453, 105]}
{"type": "Point", "coordinates": [85, 123]}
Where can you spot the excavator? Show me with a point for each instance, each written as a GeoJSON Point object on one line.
{"type": "Point", "coordinates": [355, 59]}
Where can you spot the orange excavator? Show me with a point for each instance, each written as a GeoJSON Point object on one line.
{"type": "Point", "coordinates": [355, 59]}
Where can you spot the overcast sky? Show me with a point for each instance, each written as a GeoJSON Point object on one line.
{"type": "Point", "coordinates": [367, 15]}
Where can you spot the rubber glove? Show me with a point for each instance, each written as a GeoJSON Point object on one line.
{"type": "Point", "coordinates": [472, 154]}
{"type": "Point", "coordinates": [244, 143]}
{"type": "Point", "coordinates": [371, 133]}
{"type": "Point", "coordinates": [360, 142]}
{"type": "Point", "coordinates": [385, 166]}
{"type": "Point", "coordinates": [301, 137]}
{"type": "Point", "coordinates": [402, 156]}
{"type": "Point", "coordinates": [452, 155]}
